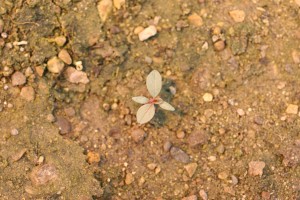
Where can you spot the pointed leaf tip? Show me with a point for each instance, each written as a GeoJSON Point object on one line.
{"type": "Point", "coordinates": [145, 113]}
{"type": "Point", "coordinates": [154, 83]}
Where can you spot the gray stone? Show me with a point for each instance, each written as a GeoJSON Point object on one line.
{"type": "Point", "coordinates": [179, 155]}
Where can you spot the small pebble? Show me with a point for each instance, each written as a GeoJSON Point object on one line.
{"type": "Point", "coordinates": [129, 179]}
{"type": "Point", "coordinates": [114, 106]}
{"type": "Point", "coordinates": [256, 168]}
{"type": "Point", "coordinates": [205, 46]}
{"type": "Point", "coordinates": [78, 65]}
{"type": "Point", "coordinates": [104, 9]}
{"type": "Point", "coordinates": [234, 180]}
{"type": "Point", "coordinates": [220, 149]}
{"type": "Point", "coordinates": [93, 157]}
{"type": "Point", "coordinates": [258, 120]}
{"type": "Point", "coordinates": [157, 170]}
{"type": "Point", "coordinates": [75, 76]}
{"type": "Point", "coordinates": [192, 197]}
{"type": "Point", "coordinates": [179, 155]}
{"type": "Point", "coordinates": [41, 160]}
{"type": "Point", "coordinates": [141, 181]}
{"type": "Point", "coordinates": [180, 134]}
{"type": "Point", "coordinates": [60, 40]}
{"type": "Point", "coordinates": [223, 175]}
{"type": "Point", "coordinates": [119, 3]}
{"type": "Point", "coordinates": [65, 56]}
{"type": "Point", "coordinates": [40, 70]}
{"type": "Point", "coordinates": [167, 146]}
{"type": "Point", "coordinates": [28, 72]}
{"type": "Point", "coordinates": [17, 156]}
{"type": "Point", "coordinates": [27, 93]}
{"type": "Point", "coordinates": [50, 118]}
{"type": "Point", "coordinates": [212, 158]}
{"type": "Point", "coordinates": [197, 138]}
{"type": "Point", "coordinates": [195, 20]}
{"type": "Point", "coordinates": [266, 195]}
{"type": "Point", "coordinates": [148, 60]}
{"type": "Point", "coordinates": [138, 29]}
{"type": "Point", "coordinates": [41, 175]}
{"type": "Point", "coordinates": [207, 97]}
{"type": "Point", "coordinates": [240, 112]}
{"type": "Point", "coordinates": [106, 106]}
{"type": "Point", "coordinates": [219, 45]}
{"type": "Point", "coordinates": [4, 35]}
{"type": "Point", "coordinates": [18, 78]}
{"type": "Point", "coordinates": [203, 194]}
{"type": "Point", "coordinates": [138, 135]}
{"type": "Point", "coordinates": [296, 56]}
{"type": "Point", "coordinates": [14, 132]}
{"type": "Point", "coordinates": [152, 166]}
{"type": "Point", "coordinates": [55, 65]}
{"type": "Point", "coordinates": [63, 124]}
{"type": "Point", "coordinates": [148, 32]}
{"type": "Point", "coordinates": [292, 109]}
{"type": "Point", "coordinates": [191, 169]}
{"type": "Point", "coordinates": [172, 90]}
{"type": "Point", "coordinates": [237, 15]}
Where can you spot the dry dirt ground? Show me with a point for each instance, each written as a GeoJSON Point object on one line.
{"type": "Point", "coordinates": [68, 128]}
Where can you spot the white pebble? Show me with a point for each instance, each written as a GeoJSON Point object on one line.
{"type": "Point", "coordinates": [20, 43]}
{"type": "Point", "coordinates": [207, 97]}
{"type": "Point", "coordinates": [4, 35]}
{"type": "Point", "coordinates": [212, 158]}
{"type": "Point", "coordinates": [78, 65]}
{"type": "Point", "coordinates": [147, 33]}
{"type": "Point", "coordinates": [14, 132]}
{"type": "Point", "coordinates": [241, 112]}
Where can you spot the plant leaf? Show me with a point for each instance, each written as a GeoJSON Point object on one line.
{"type": "Point", "coordinates": [145, 113]}
{"type": "Point", "coordinates": [154, 83]}
{"type": "Point", "coordinates": [140, 99]}
{"type": "Point", "coordinates": [166, 106]}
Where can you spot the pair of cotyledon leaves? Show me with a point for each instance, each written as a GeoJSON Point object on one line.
{"type": "Point", "coordinates": [146, 112]}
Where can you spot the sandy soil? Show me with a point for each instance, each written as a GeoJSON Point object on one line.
{"type": "Point", "coordinates": [68, 71]}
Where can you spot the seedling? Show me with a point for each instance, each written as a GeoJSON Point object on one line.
{"type": "Point", "coordinates": [146, 112]}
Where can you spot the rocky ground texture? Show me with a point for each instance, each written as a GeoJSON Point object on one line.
{"type": "Point", "coordinates": [68, 70]}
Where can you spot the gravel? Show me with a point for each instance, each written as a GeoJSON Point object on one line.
{"type": "Point", "coordinates": [18, 78]}
{"type": "Point", "coordinates": [55, 65]}
{"type": "Point", "coordinates": [147, 33]}
{"type": "Point", "coordinates": [179, 155]}
{"type": "Point", "coordinates": [256, 168]}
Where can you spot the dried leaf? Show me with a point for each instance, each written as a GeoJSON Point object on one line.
{"type": "Point", "coordinates": [166, 106]}
{"type": "Point", "coordinates": [145, 113]}
{"type": "Point", "coordinates": [154, 83]}
{"type": "Point", "coordinates": [140, 99]}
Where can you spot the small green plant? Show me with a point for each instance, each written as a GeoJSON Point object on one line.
{"type": "Point", "coordinates": [146, 112]}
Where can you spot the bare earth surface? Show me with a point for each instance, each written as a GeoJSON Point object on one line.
{"type": "Point", "coordinates": [68, 70]}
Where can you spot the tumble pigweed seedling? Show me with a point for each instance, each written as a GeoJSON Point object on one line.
{"type": "Point", "coordinates": [146, 112]}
